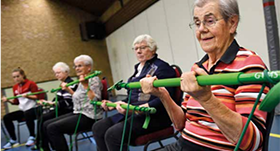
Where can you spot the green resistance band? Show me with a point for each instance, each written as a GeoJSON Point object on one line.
{"type": "Point", "coordinates": [34, 93]}
{"type": "Point", "coordinates": [148, 110]}
{"type": "Point", "coordinates": [249, 118]}
{"type": "Point", "coordinates": [125, 121]}
{"type": "Point", "coordinates": [94, 74]}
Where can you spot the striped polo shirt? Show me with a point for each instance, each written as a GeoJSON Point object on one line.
{"type": "Point", "coordinates": [200, 127]}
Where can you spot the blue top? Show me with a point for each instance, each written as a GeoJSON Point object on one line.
{"type": "Point", "coordinates": [153, 67]}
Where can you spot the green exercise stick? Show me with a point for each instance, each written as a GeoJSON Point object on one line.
{"type": "Point", "coordinates": [96, 73]}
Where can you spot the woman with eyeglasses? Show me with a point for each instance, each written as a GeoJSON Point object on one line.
{"type": "Point", "coordinates": [84, 113]}
{"type": "Point", "coordinates": [213, 117]}
{"type": "Point", "coordinates": [27, 108]}
{"type": "Point", "coordinates": [108, 132]}
{"type": "Point", "coordinates": [64, 103]}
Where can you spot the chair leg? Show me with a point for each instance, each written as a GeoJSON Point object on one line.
{"type": "Point", "coordinates": [160, 143]}
{"type": "Point", "coordinates": [146, 146]}
{"type": "Point", "coordinates": [87, 136]}
{"type": "Point", "coordinates": [70, 138]}
{"type": "Point", "coordinates": [76, 141]}
{"type": "Point", "coordinates": [18, 130]}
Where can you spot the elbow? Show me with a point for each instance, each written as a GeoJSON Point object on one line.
{"type": "Point", "coordinates": [179, 126]}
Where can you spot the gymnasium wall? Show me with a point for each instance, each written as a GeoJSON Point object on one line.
{"type": "Point", "coordinates": [36, 34]}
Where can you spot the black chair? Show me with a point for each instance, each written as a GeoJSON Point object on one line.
{"type": "Point", "coordinates": [163, 134]}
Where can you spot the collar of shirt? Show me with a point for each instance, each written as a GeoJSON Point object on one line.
{"type": "Point", "coordinates": [227, 57]}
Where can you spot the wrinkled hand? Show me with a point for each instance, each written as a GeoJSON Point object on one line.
{"type": "Point", "coordinates": [40, 102]}
{"type": "Point", "coordinates": [119, 108]}
{"type": "Point", "coordinates": [189, 85]}
{"type": "Point", "coordinates": [63, 86]}
{"type": "Point", "coordinates": [50, 102]}
{"type": "Point", "coordinates": [105, 107]}
{"type": "Point", "coordinates": [147, 85]}
{"type": "Point", "coordinates": [24, 95]}
{"type": "Point", "coordinates": [83, 81]}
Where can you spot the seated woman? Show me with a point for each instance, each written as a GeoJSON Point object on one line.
{"type": "Point", "coordinates": [212, 117]}
{"type": "Point", "coordinates": [108, 132]}
{"type": "Point", "coordinates": [64, 100]}
{"type": "Point", "coordinates": [27, 106]}
{"type": "Point", "coordinates": [87, 90]}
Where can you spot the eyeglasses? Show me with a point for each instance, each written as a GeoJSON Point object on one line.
{"type": "Point", "coordinates": [78, 66]}
{"type": "Point", "coordinates": [141, 48]}
{"type": "Point", "coordinates": [57, 73]}
{"type": "Point", "coordinates": [208, 22]}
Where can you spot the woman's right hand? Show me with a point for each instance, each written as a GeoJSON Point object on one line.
{"type": "Point", "coordinates": [119, 108]}
{"type": "Point", "coordinates": [105, 107]}
{"type": "Point", "coordinates": [41, 101]}
{"type": "Point", "coordinates": [83, 81]}
{"type": "Point", "coordinates": [63, 86]}
{"type": "Point", "coordinates": [148, 88]}
{"type": "Point", "coordinates": [4, 99]}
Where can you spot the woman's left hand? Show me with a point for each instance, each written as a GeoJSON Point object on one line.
{"type": "Point", "coordinates": [189, 85]}
{"type": "Point", "coordinates": [119, 108]}
{"type": "Point", "coordinates": [147, 86]}
{"type": "Point", "coordinates": [24, 95]}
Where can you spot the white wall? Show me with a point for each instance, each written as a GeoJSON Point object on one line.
{"type": "Point", "coordinates": [167, 22]}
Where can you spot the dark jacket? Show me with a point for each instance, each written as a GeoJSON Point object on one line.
{"type": "Point", "coordinates": [64, 98]}
{"type": "Point", "coordinates": [154, 67]}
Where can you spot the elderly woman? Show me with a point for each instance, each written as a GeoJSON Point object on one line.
{"type": "Point", "coordinates": [108, 132]}
{"type": "Point", "coordinates": [27, 106]}
{"type": "Point", "coordinates": [64, 100]}
{"type": "Point", "coordinates": [84, 112]}
{"type": "Point", "coordinates": [212, 117]}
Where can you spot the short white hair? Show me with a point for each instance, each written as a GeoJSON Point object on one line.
{"type": "Point", "coordinates": [62, 66]}
{"type": "Point", "coordinates": [86, 59]}
{"type": "Point", "coordinates": [150, 41]}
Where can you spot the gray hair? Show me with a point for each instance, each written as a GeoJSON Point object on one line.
{"type": "Point", "coordinates": [86, 59]}
{"type": "Point", "coordinates": [150, 41]}
{"type": "Point", "coordinates": [63, 67]}
{"type": "Point", "coordinates": [228, 8]}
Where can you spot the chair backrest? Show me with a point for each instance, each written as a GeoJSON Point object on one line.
{"type": "Point", "coordinates": [178, 91]}
{"type": "Point", "coordinates": [104, 93]}
{"type": "Point", "coordinates": [42, 95]}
